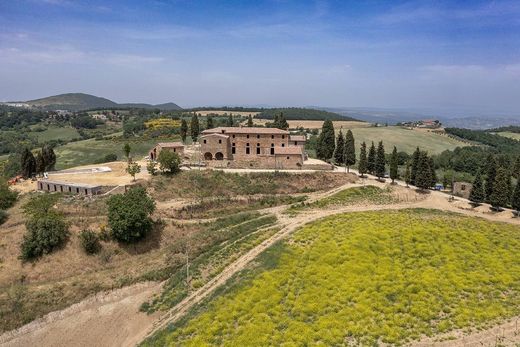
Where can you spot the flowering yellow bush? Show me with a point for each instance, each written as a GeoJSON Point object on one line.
{"type": "Point", "coordinates": [162, 123]}
{"type": "Point", "coordinates": [366, 278]}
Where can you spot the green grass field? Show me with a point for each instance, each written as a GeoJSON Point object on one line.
{"type": "Point", "coordinates": [515, 136]}
{"type": "Point", "coordinates": [89, 151]}
{"type": "Point", "coordinates": [404, 139]}
{"type": "Point", "coordinates": [55, 133]}
{"type": "Point", "coordinates": [364, 279]}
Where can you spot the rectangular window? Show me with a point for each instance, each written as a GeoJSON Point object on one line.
{"type": "Point", "coordinates": [272, 150]}
{"type": "Point", "coordinates": [257, 150]}
{"type": "Point", "coordinates": [204, 141]}
{"type": "Point", "coordinates": [283, 144]}
{"type": "Point", "coordinates": [283, 136]}
{"type": "Point", "coordinates": [295, 143]}
{"type": "Point", "coordinates": [247, 150]}
{"type": "Point", "coordinates": [86, 192]}
{"type": "Point", "coordinates": [247, 136]}
{"type": "Point", "coordinates": [257, 136]}
{"type": "Point", "coordinates": [272, 136]}
{"type": "Point", "coordinates": [219, 141]}
{"type": "Point", "coordinates": [233, 150]}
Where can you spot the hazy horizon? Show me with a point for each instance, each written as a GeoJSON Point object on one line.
{"type": "Point", "coordinates": [403, 55]}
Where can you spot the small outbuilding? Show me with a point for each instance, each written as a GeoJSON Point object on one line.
{"type": "Point", "coordinates": [176, 147]}
{"type": "Point", "coordinates": [462, 189]}
{"type": "Point", "coordinates": [67, 187]}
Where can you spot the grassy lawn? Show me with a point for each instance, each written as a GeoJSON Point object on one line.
{"type": "Point", "coordinates": [404, 139]}
{"type": "Point", "coordinates": [515, 136]}
{"type": "Point", "coordinates": [364, 279]}
{"type": "Point", "coordinates": [55, 133]}
{"type": "Point", "coordinates": [89, 151]}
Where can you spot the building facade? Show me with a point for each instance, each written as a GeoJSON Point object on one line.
{"type": "Point", "coordinates": [252, 147]}
{"type": "Point", "coordinates": [66, 187]}
{"type": "Point", "coordinates": [462, 189]}
{"type": "Point", "coordinates": [176, 147]}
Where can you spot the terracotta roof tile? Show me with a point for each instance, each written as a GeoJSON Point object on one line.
{"type": "Point", "coordinates": [170, 144]}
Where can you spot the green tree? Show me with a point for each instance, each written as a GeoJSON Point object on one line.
{"type": "Point", "coordinates": [250, 121]}
{"type": "Point", "coordinates": [380, 160]}
{"type": "Point", "coordinates": [184, 130]}
{"type": "Point", "coordinates": [133, 169]}
{"type": "Point", "coordinates": [230, 121]}
{"type": "Point", "coordinates": [326, 141]}
{"type": "Point", "coordinates": [350, 150]}
{"type": "Point", "coordinates": [45, 232]}
{"type": "Point", "coordinates": [126, 150]}
{"type": "Point", "coordinates": [169, 161]}
{"type": "Point", "coordinates": [282, 122]}
{"type": "Point", "coordinates": [194, 127]}
{"type": "Point", "coordinates": [516, 168]}
{"type": "Point", "coordinates": [491, 173]}
{"type": "Point", "coordinates": [408, 174]}
{"type": "Point", "coordinates": [28, 163]}
{"type": "Point", "coordinates": [151, 167]}
{"type": "Point", "coordinates": [423, 179]}
{"type": "Point", "coordinates": [49, 157]}
{"type": "Point", "coordinates": [501, 195]}
{"type": "Point", "coordinates": [477, 193]}
{"type": "Point", "coordinates": [209, 122]}
{"type": "Point", "coordinates": [371, 161]}
{"type": "Point", "coordinates": [515, 202]}
{"type": "Point", "coordinates": [362, 166]}
{"type": "Point", "coordinates": [40, 163]}
{"type": "Point", "coordinates": [40, 204]}
{"type": "Point", "coordinates": [339, 152]}
{"type": "Point", "coordinates": [7, 195]}
{"type": "Point", "coordinates": [394, 165]}
{"type": "Point", "coordinates": [414, 166]}
{"type": "Point", "coordinates": [129, 214]}
{"type": "Point", "coordinates": [433, 174]}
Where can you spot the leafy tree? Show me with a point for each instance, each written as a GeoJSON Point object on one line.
{"type": "Point", "coordinates": [339, 152]}
{"type": "Point", "coordinates": [13, 165]}
{"type": "Point", "coordinates": [380, 160]}
{"type": "Point", "coordinates": [501, 195]}
{"type": "Point", "coordinates": [407, 175]}
{"type": "Point", "coordinates": [250, 121]}
{"type": "Point", "coordinates": [209, 122]}
{"type": "Point", "coordinates": [516, 168]}
{"type": "Point", "coordinates": [230, 121]}
{"type": "Point", "coordinates": [133, 169]}
{"type": "Point", "coordinates": [515, 202]}
{"type": "Point", "coordinates": [169, 161]}
{"type": "Point", "coordinates": [89, 241]}
{"type": "Point", "coordinates": [423, 179]}
{"type": "Point", "coordinates": [477, 194]}
{"type": "Point", "coordinates": [7, 195]}
{"type": "Point", "coordinates": [350, 150]}
{"type": "Point", "coordinates": [394, 165]}
{"type": "Point", "coordinates": [40, 163]}
{"type": "Point", "coordinates": [109, 157]}
{"type": "Point", "coordinates": [45, 232]}
{"type": "Point", "coordinates": [194, 127]}
{"type": "Point", "coordinates": [326, 141]}
{"type": "Point", "coordinates": [28, 163]}
{"type": "Point", "coordinates": [126, 150]}
{"type": "Point", "coordinates": [40, 204]}
{"type": "Point", "coordinates": [129, 214]}
{"type": "Point", "coordinates": [414, 166]}
{"type": "Point", "coordinates": [151, 167]}
{"type": "Point", "coordinates": [491, 172]}
{"type": "Point", "coordinates": [184, 130]}
{"type": "Point", "coordinates": [371, 161]}
{"type": "Point", "coordinates": [49, 157]}
{"type": "Point", "coordinates": [362, 166]}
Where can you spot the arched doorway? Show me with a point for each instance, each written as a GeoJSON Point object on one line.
{"type": "Point", "coordinates": [219, 156]}
{"type": "Point", "coordinates": [208, 156]}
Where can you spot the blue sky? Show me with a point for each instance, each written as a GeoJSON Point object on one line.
{"type": "Point", "coordinates": [397, 54]}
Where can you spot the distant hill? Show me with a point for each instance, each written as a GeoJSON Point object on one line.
{"type": "Point", "coordinates": [292, 113]}
{"type": "Point", "coordinates": [81, 102]}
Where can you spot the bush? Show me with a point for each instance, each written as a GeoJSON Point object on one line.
{"type": "Point", "coordinates": [129, 214]}
{"type": "Point", "coordinates": [3, 216]}
{"type": "Point", "coordinates": [45, 232]}
{"type": "Point", "coordinates": [7, 196]}
{"type": "Point", "coordinates": [89, 241]}
{"type": "Point", "coordinates": [169, 161]}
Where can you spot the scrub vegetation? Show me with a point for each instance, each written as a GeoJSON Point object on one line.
{"type": "Point", "coordinates": [365, 279]}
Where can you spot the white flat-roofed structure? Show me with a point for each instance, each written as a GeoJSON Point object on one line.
{"type": "Point", "coordinates": [67, 187]}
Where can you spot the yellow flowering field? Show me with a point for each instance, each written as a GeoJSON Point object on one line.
{"type": "Point", "coordinates": [365, 278]}
{"type": "Point", "coordinates": [162, 123]}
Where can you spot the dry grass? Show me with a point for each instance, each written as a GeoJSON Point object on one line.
{"type": "Point", "coordinates": [317, 124]}
{"type": "Point", "coordinates": [222, 112]}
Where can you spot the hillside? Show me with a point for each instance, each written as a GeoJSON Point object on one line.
{"type": "Point", "coordinates": [81, 101]}
{"type": "Point", "coordinates": [292, 113]}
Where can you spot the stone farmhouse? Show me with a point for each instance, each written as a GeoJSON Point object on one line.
{"type": "Point", "coordinates": [176, 147]}
{"type": "Point", "coordinates": [252, 147]}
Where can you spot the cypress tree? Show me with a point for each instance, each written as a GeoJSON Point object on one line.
{"type": "Point", "coordinates": [433, 174]}
{"type": "Point", "coordinates": [477, 193]}
{"type": "Point", "coordinates": [515, 202]}
{"type": "Point", "coordinates": [28, 163]}
{"type": "Point", "coordinates": [362, 167]}
{"type": "Point", "coordinates": [380, 160]}
{"type": "Point", "coordinates": [414, 166]}
{"type": "Point", "coordinates": [407, 174]}
{"type": "Point", "coordinates": [250, 121]}
{"type": "Point", "coordinates": [339, 153]}
{"type": "Point", "coordinates": [49, 157]}
{"type": "Point", "coordinates": [394, 165]}
{"type": "Point", "coordinates": [326, 141]}
{"type": "Point", "coordinates": [423, 179]}
{"type": "Point", "coordinates": [501, 195]}
{"type": "Point", "coordinates": [194, 127]}
{"type": "Point", "coordinates": [209, 122]}
{"type": "Point", "coordinates": [491, 173]}
{"type": "Point", "coordinates": [350, 150]}
{"type": "Point", "coordinates": [40, 163]}
{"type": "Point", "coordinates": [184, 130]}
{"type": "Point", "coordinates": [516, 168]}
{"type": "Point", "coordinates": [276, 121]}
{"type": "Point", "coordinates": [371, 161]}
{"type": "Point", "coordinates": [230, 122]}
{"type": "Point", "coordinates": [282, 122]}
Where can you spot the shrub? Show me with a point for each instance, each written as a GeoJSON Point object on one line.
{"type": "Point", "coordinates": [169, 161]}
{"type": "Point", "coordinates": [3, 216]}
{"type": "Point", "coordinates": [7, 196]}
{"type": "Point", "coordinates": [129, 214]}
{"type": "Point", "coordinates": [45, 232]}
{"type": "Point", "coordinates": [89, 241]}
